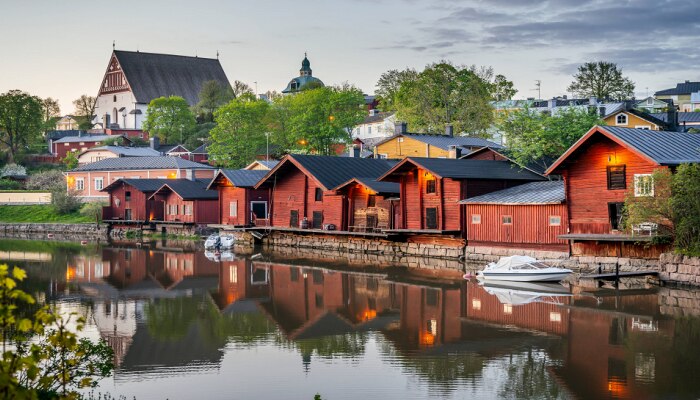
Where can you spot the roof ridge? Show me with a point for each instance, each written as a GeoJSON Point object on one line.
{"type": "Point", "coordinates": [165, 54]}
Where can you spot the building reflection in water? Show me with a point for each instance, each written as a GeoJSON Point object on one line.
{"type": "Point", "coordinates": [180, 310]}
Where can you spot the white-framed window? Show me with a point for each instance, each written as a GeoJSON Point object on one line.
{"type": "Point", "coordinates": [554, 220]}
{"type": "Point", "coordinates": [507, 309]}
{"type": "Point", "coordinates": [383, 155]}
{"type": "Point", "coordinates": [643, 185]}
{"type": "Point", "coordinates": [82, 143]}
{"type": "Point", "coordinates": [554, 316]}
{"type": "Point", "coordinates": [476, 304]}
{"type": "Point", "coordinates": [648, 127]}
{"type": "Point", "coordinates": [187, 209]}
{"type": "Point", "coordinates": [99, 183]}
{"type": "Point", "coordinates": [66, 144]}
{"type": "Point", "coordinates": [621, 119]}
{"type": "Point", "coordinates": [369, 130]}
{"type": "Point", "coordinates": [233, 209]}
{"type": "Point", "coordinates": [476, 219]}
{"type": "Point", "coordinates": [80, 184]}
{"type": "Point", "coordinates": [401, 140]}
{"type": "Point", "coordinates": [507, 219]}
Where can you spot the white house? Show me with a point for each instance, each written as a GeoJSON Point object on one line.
{"type": "Point", "coordinates": [376, 125]}
{"type": "Point", "coordinates": [133, 79]}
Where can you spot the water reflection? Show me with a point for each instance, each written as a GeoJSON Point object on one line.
{"type": "Point", "coordinates": [172, 312]}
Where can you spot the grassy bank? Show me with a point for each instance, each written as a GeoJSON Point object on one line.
{"type": "Point", "coordinates": [40, 214]}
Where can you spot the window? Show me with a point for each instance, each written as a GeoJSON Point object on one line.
{"type": "Point", "coordinates": [554, 220]}
{"type": "Point", "coordinates": [554, 316]}
{"type": "Point", "coordinates": [80, 184]}
{"type": "Point", "coordinates": [99, 182]}
{"type": "Point", "coordinates": [173, 209]}
{"type": "Point", "coordinates": [430, 186]}
{"type": "Point", "coordinates": [369, 130]}
{"type": "Point", "coordinates": [476, 304]}
{"type": "Point", "coordinates": [115, 98]}
{"type": "Point", "coordinates": [372, 200]}
{"type": "Point", "coordinates": [127, 196]}
{"type": "Point", "coordinates": [476, 219]}
{"type": "Point", "coordinates": [401, 140]}
{"type": "Point", "coordinates": [383, 156]}
{"type": "Point", "coordinates": [643, 185]}
{"type": "Point", "coordinates": [650, 101]}
{"type": "Point", "coordinates": [318, 194]}
{"type": "Point", "coordinates": [507, 309]}
{"type": "Point", "coordinates": [616, 177]}
{"type": "Point", "coordinates": [187, 209]}
{"type": "Point", "coordinates": [66, 144]}
{"type": "Point", "coordinates": [233, 274]}
{"type": "Point", "coordinates": [317, 220]}
{"type": "Point", "coordinates": [233, 209]}
{"type": "Point", "coordinates": [621, 119]}
{"type": "Point", "coordinates": [647, 127]}
{"type": "Point", "coordinates": [507, 219]}
{"type": "Point", "coordinates": [431, 218]}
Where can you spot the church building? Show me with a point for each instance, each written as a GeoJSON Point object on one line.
{"type": "Point", "coordinates": [304, 79]}
{"type": "Point", "coordinates": [133, 79]}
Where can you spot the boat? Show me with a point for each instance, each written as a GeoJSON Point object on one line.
{"type": "Point", "coordinates": [519, 293]}
{"type": "Point", "coordinates": [522, 269]}
{"type": "Point", "coordinates": [219, 242]}
{"type": "Point", "coordinates": [219, 255]}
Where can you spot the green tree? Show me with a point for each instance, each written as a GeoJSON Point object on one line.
{"type": "Point", "coordinates": [540, 138]}
{"type": "Point", "coordinates": [446, 94]}
{"type": "Point", "coordinates": [41, 357]}
{"type": "Point", "coordinates": [239, 132]}
{"type": "Point", "coordinates": [51, 111]}
{"type": "Point", "coordinates": [686, 208]}
{"type": "Point", "coordinates": [21, 121]}
{"type": "Point", "coordinates": [657, 208]}
{"type": "Point", "coordinates": [85, 111]}
{"type": "Point", "coordinates": [602, 80]}
{"type": "Point", "coordinates": [240, 88]}
{"type": "Point", "coordinates": [389, 84]}
{"type": "Point", "coordinates": [212, 96]}
{"type": "Point", "coordinates": [170, 118]}
{"type": "Point", "coordinates": [93, 209]}
{"type": "Point", "coordinates": [70, 160]}
{"type": "Point", "coordinates": [502, 88]}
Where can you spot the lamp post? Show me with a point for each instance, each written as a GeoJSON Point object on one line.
{"type": "Point", "coordinates": [267, 146]}
{"type": "Point", "coordinates": [124, 118]}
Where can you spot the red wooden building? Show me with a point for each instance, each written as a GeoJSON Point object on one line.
{"type": "Point", "coordinates": [431, 189]}
{"type": "Point", "coordinates": [61, 147]}
{"type": "Point", "coordinates": [130, 203]}
{"type": "Point", "coordinates": [532, 215]}
{"type": "Point", "coordinates": [239, 203]}
{"type": "Point", "coordinates": [304, 189]}
{"type": "Point", "coordinates": [371, 205]}
{"type": "Point", "coordinates": [602, 167]}
{"type": "Point", "coordinates": [188, 201]}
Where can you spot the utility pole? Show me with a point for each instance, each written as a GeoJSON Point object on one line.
{"type": "Point", "coordinates": [538, 87]}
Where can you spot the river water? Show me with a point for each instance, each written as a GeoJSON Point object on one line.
{"type": "Point", "coordinates": [188, 325]}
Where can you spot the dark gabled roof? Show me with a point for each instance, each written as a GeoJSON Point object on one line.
{"type": "Point", "coordinates": [661, 147]}
{"type": "Point", "coordinates": [189, 189]}
{"type": "Point", "coordinates": [142, 185]}
{"type": "Point", "coordinates": [686, 87]}
{"type": "Point", "coordinates": [546, 192]}
{"type": "Point", "coordinates": [535, 166]}
{"type": "Point", "coordinates": [244, 178]}
{"type": "Point", "coordinates": [380, 116]}
{"type": "Point", "coordinates": [373, 184]}
{"type": "Point", "coordinates": [682, 117]}
{"type": "Point", "coordinates": [126, 151]}
{"type": "Point", "coordinates": [330, 171]}
{"type": "Point", "coordinates": [154, 75]}
{"type": "Point", "coordinates": [141, 163]}
{"type": "Point", "coordinates": [167, 148]}
{"type": "Point", "coordinates": [467, 169]}
{"type": "Point", "coordinates": [201, 149]}
{"type": "Point", "coordinates": [444, 142]}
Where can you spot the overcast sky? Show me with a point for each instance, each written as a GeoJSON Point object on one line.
{"type": "Point", "coordinates": [61, 48]}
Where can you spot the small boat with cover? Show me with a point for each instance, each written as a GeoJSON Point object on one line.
{"type": "Point", "coordinates": [522, 269]}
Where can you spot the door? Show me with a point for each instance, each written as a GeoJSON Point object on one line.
{"type": "Point", "coordinates": [431, 218]}
{"type": "Point", "coordinates": [615, 212]}
{"type": "Point", "coordinates": [294, 218]}
{"type": "Point", "coordinates": [318, 220]}
{"type": "Point", "coordinates": [258, 210]}
{"type": "Point", "coordinates": [127, 214]}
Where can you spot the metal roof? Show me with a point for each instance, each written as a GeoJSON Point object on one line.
{"type": "Point", "coordinates": [127, 151]}
{"type": "Point", "coordinates": [141, 163]}
{"type": "Point", "coordinates": [154, 75]}
{"type": "Point", "coordinates": [666, 148]}
{"type": "Point", "coordinates": [201, 149]}
{"type": "Point", "coordinates": [682, 117]}
{"type": "Point", "coordinates": [686, 87]}
{"type": "Point", "coordinates": [444, 142]}
{"type": "Point", "coordinates": [86, 138]}
{"type": "Point", "coordinates": [373, 184]}
{"type": "Point", "coordinates": [244, 177]}
{"type": "Point", "coordinates": [190, 189]}
{"type": "Point", "coordinates": [469, 169]}
{"type": "Point", "coordinates": [547, 192]}
{"type": "Point", "coordinates": [142, 185]}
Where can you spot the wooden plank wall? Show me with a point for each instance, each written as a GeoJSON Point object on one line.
{"type": "Point", "coordinates": [530, 224]}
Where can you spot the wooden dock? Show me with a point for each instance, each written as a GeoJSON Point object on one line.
{"type": "Point", "coordinates": [613, 276]}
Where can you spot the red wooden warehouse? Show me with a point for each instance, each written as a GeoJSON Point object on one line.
{"type": "Point", "coordinates": [130, 203]}
{"type": "Point", "coordinates": [604, 166]}
{"type": "Point", "coordinates": [431, 189]}
{"type": "Point", "coordinates": [188, 202]}
{"type": "Point", "coordinates": [532, 215]}
{"type": "Point", "coordinates": [304, 189]}
{"type": "Point", "coordinates": [372, 205]}
{"type": "Point", "coordinates": [239, 203]}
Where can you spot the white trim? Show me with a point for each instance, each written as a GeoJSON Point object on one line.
{"type": "Point", "coordinates": [642, 127]}
{"type": "Point", "coordinates": [258, 201]}
{"type": "Point", "coordinates": [643, 185]}
{"type": "Point", "coordinates": [617, 122]}
{"type": "Point", "coordinates": [102, 183]}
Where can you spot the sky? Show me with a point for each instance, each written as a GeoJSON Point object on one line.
{"type": "Point", "coordinates": [60, 49]}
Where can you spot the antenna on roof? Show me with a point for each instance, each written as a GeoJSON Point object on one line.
{"type": "Point", "coordinates": [217, 54]}
{"type": "Point", "coordinates": [114, 44]}
{"type": "Point", "coordinates": [538, 87]}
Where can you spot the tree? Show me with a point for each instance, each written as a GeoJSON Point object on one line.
{"type": "Point", "coordinates": [657, 209]}
{"type": "Point", "coordinates": [51, 112]}
{"type": "Point", "coordinates": [212, 96]}
{"type": "Point", "coordinates": [239, 131]}
{"type": "Point", "coordinates": [170, 118]}
{"type": "Point", "coordinates": [71, 160]}
{"type": "Point", "coordinates": [540, 138]}
{"type": "Point", "coordinates": [502, 89]}
{"type": "Point", "coordinates": [389, 84]}
{"type": "Point", "coordinates": [93, 209]}
{"type": "Point", "coordinates": [52, 180]}
{"type": "Point", "coordinates": [602, 80]}
{"type": "Point", "coordinates": [241, 88]}
{"type": "Point", "coordinates": [686, 208]}
{"type": "Point", "coordinates": [85, 111]}
{"type": "Point", "coordinates": [21, 121]}
{"type": "Point", "coordinates": [446, 94]}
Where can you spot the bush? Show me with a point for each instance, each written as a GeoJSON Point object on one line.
{"type": "Point", "coordinates": [70, 160]}
{"type": "Point", "coordinates": [50, 181]}
{"type": "Point", "coordinates": [65, 202]}
{"type": "Point", "coordinates": [13, 169]}
{"type": "Point", "coordinates": [686, 208]}
{"type": "Point", "coordinates": [9, 184]}
{"type": "Point", "coordinates": [93, 210]}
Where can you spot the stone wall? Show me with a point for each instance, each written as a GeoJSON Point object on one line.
{"type": "Point", "coordinates": [679, 302]}
{"type": "Point", "coordinates": [680, 269]}
{"type": "Point", "coordinates": [75, 232]}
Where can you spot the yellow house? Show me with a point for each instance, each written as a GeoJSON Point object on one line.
{"type": "Point", "coordinates": [404, 144]}
{"type": "Point", "coordinates": [635, 119]}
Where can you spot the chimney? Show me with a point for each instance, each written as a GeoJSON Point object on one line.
{"type": "Point", "coordinates": [189, 174]}
{"type": "Point", "coordinates": [154, 142]}
{"type": "Point", "coordinates": [601, 111]}
{"type": "Point", "coordinates": [672, 118]}
{"type": "Point", "coordinates": [454, 152]}
{"type": "Point", "coordinates": [593, 101]}
{"type": "Point", "coordinates": [400, 128]}
{"type": "Point", "coordinates": [449, 130]}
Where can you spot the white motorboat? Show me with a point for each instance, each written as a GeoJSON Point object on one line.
{"type": "Point", "coordinates": [219, 256]}
{"type": "Point", "coordinates": [522, 269]}
{"type": "Point", "coordinates": [219, 242]}
{"type": "Point", "coordinates": [519, 293]}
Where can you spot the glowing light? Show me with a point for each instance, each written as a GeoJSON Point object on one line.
{"type": "Point", "coordinates": [172, 175]}
{"type": "Point", "coordinates": [70, 273]}
{"type": "Point", "coordinates": [427, 339]}
{"type": "Point", "coordinates": [303, 142]}
{"type": "Point", "coordinates": [617, 387]}
{"type": "Point", "coordinates": [331, 118]}
{"type": "Point", "coordinates": [369, 314]}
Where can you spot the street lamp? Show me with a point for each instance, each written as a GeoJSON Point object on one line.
{"type": "Point", "coordinates": [267, 148]}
